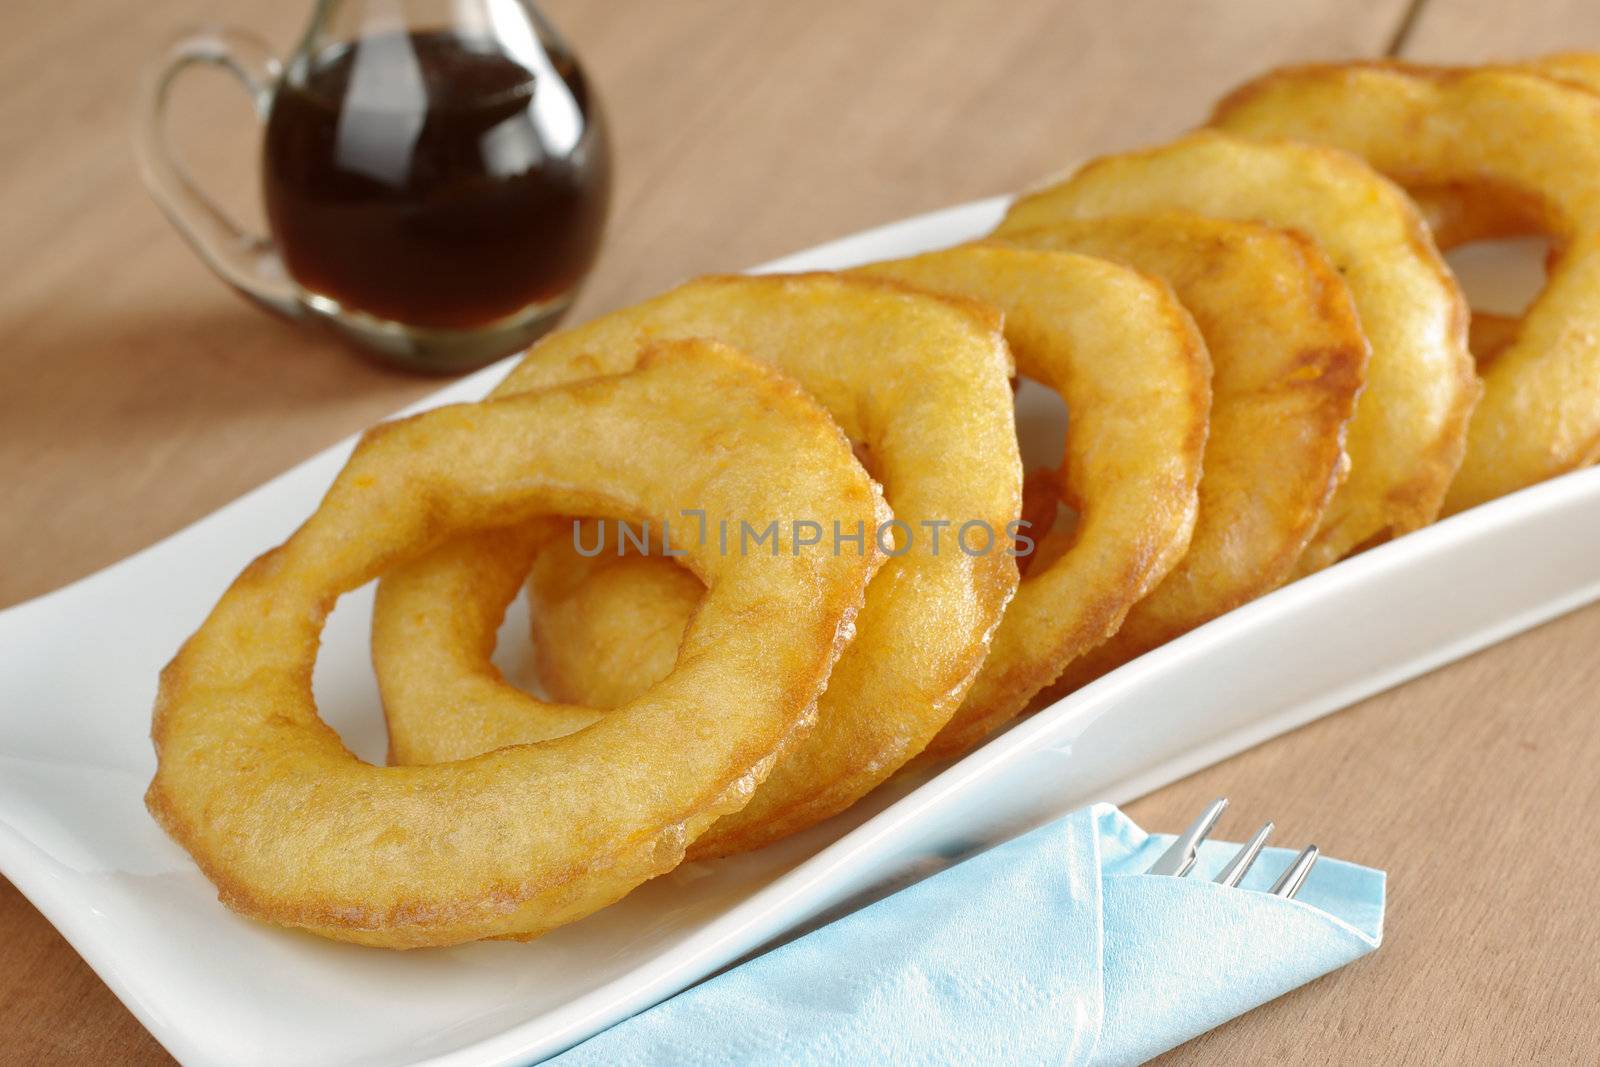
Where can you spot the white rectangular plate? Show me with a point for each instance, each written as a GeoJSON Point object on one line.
{"type": "Point", "coordinates": [78, 673]}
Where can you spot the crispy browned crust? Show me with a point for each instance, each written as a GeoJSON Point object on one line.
{"type": "Point", "coordinates": [295, 830]}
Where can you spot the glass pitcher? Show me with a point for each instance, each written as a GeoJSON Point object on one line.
{"type": "Point", "coordinates": [435, 174]}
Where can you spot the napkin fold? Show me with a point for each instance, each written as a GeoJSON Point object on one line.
{"type": "Point", "coordinates": [1053, 948]}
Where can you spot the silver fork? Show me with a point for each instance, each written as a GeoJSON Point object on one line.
{"type": "Point", "coordinates": [1179, 858]}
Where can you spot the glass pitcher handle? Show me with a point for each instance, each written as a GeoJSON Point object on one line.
{"type": "Point", "coordinates": [247, 261]}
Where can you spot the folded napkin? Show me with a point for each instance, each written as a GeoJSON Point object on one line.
{"type": "Point", "coordinates": [1054, 948]}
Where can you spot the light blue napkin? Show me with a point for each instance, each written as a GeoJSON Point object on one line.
{"type": "Point", "coordinates": [1054, 948]}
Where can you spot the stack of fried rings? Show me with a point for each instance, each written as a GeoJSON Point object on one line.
{"type": "Point", "coordinates": [1284, 385]}
{"type": "Point", "coordinates": [1266, 366]}
{"type": "Point", "coordinates": [1536, 142]}
{"type": "Point", "coordinates": [939, 443]}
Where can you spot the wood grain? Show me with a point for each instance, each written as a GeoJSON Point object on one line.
{"type": "Point", "coordinates": [1474, 788]}
{"type": "Point", "coordinates": [1469, 31]}
{"type": "Point", "coordinates": [744, 131]}
{"type": "Point", "coordinates": [137, 393]}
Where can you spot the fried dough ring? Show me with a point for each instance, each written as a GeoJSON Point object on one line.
{"type": "Point", "coordinates": [1506, 129]}
{"type": "Point", "coordinates": [1483, 210]}
{"type": "Point", "coordinates": [923, 384]}
{"type": "Point", "coordinates": [1409, 430]}
{"type": "Point", "coordinates": [1285, 377]}
{"type": "Point", "coordinates": [295, 830]}
{"type": "Point", "coordinates": [1133, 370]}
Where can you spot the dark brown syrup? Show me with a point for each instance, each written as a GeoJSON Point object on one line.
{"type": "Point", "coordinates": [423, 178]}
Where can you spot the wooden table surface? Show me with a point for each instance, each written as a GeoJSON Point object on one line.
{"type": "Point", "coordinates": [137, 393]}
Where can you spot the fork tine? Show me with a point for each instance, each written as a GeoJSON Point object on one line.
{"type": "Point", "coordinates": [1294, 876]}
{"type": "Point", "coordinates": [1236, 868]}
{"type": "Point", "coordinates": [1179, 857]}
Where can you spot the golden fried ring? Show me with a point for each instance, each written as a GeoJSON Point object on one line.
{"type": "Point", "coordinates": [1509, 129]}
{"type": "Point", "coordinates": [1133, 370]}
{"type": "Point", "coordinates": [1480, 209]}
{"type": "Point", "coordinates": [1409, 430]}
{"type": "Point", "coordinates": [923, 384]}
{"type": "Point", "coordinates": [295, 830]}
{"type": "Point", "coordinates": [1285, 377]}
